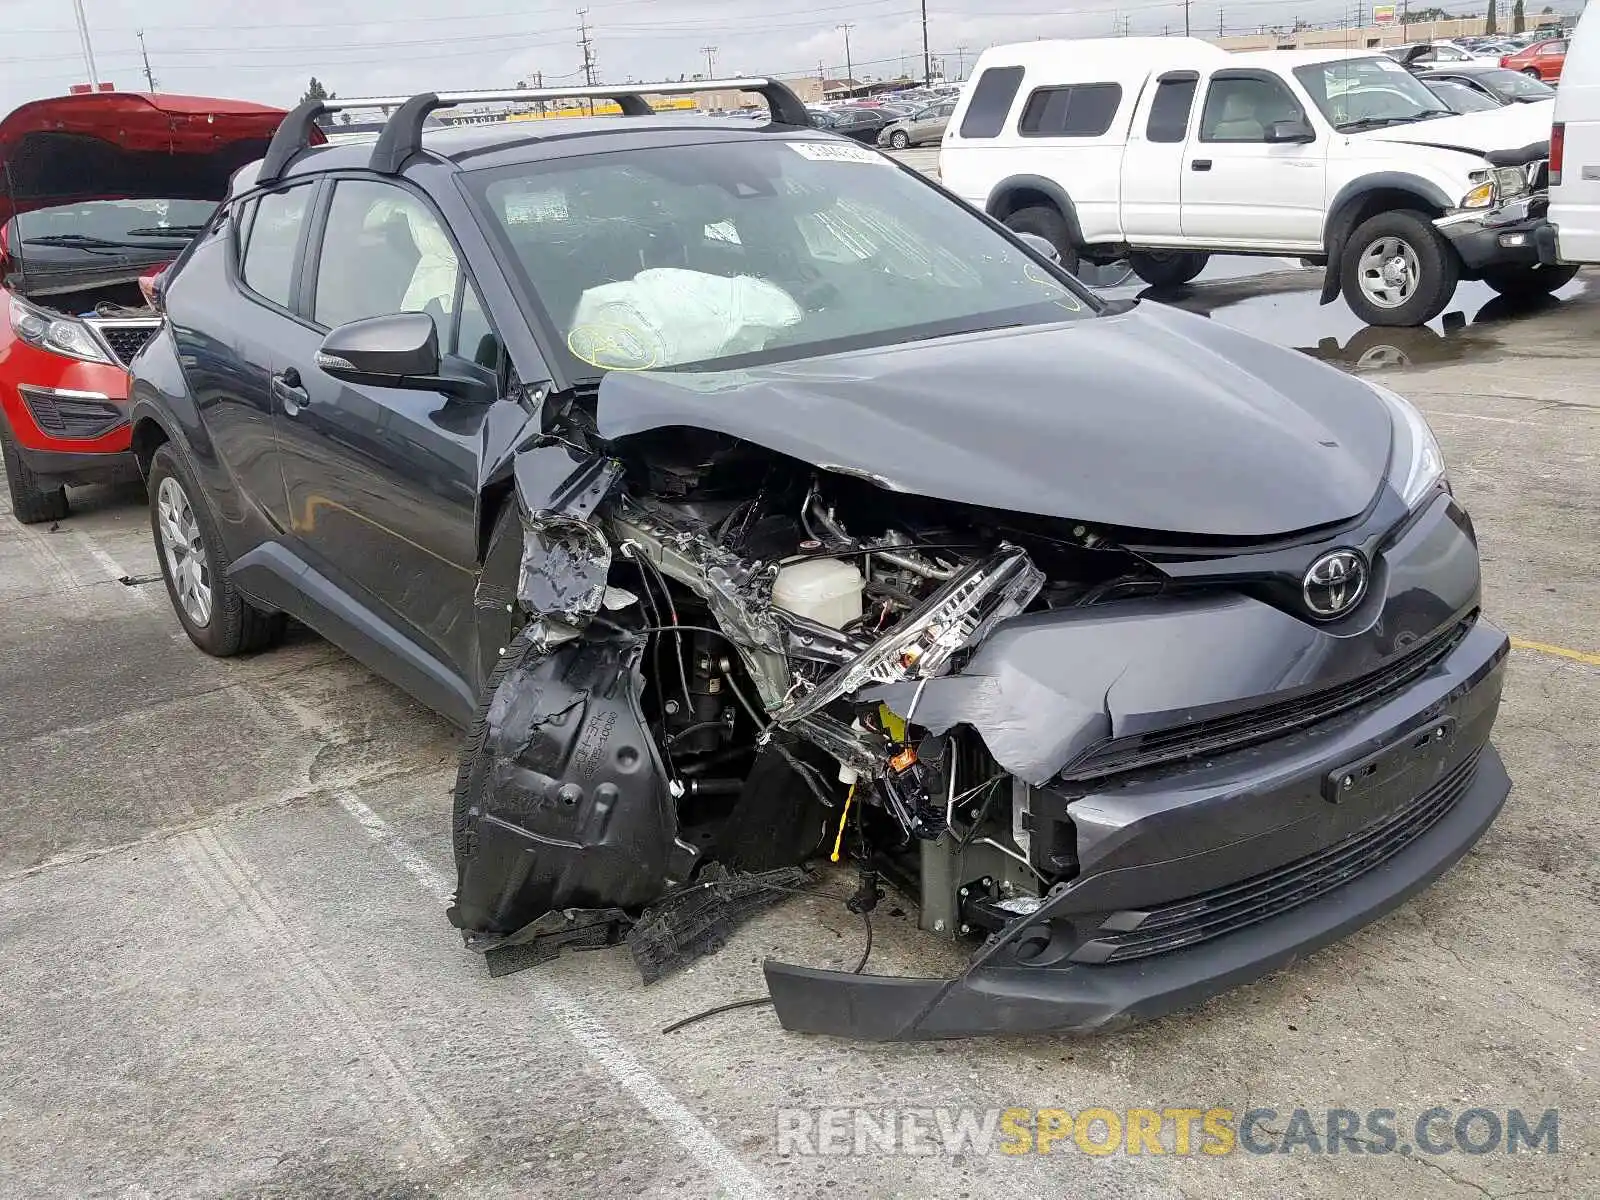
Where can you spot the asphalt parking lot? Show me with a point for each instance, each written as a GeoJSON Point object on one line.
{"type": "Point", "coordinates": [227, 971]}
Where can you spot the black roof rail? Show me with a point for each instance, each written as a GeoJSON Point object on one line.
{"type": "Point", "coordinates": [294, 131]}
{"type": "Point", "coordinates": [402, 134]}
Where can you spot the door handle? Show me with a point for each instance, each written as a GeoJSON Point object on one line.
{"type": "Point", "coordinates": [1201, 164]}
{"type": "Point", "coordinates": [286, 386]}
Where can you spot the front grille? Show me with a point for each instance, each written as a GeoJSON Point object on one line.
{"type": "Point", "coordinates": [67, 416]}
{"type": "Point", "coordinates": [126, 338]}
{"type": "Point", "coordinates": [1262, 724]}
{"type": "Point", "coordinates": [1229, 909]}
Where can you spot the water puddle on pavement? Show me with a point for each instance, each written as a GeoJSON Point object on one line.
{"type": "Point", "coordinates": [1278, 301]}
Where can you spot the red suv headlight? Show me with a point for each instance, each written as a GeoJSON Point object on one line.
{"type": "Point", "coordinates": [55, 333]}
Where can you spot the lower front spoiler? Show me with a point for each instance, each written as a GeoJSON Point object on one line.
{"type": "Point", "coordinates": [1076, 998]}
{"type": "Point", "coordinates": [75, 467]}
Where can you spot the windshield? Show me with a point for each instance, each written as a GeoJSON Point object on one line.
{"type": "Point", "coordinates": [1368, 93]}
{"type": "Point", "coordinates": [754, 250]}
{"type": "Point", "coordinates": [1460, 97]}
{"type": "Point", "coordinates": [1514, 85]}
{"type": "Point", "coordinates": [111, 224]}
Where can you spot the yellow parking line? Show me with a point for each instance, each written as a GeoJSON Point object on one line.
{"type": "Point", "coordinates": [1582, 656]}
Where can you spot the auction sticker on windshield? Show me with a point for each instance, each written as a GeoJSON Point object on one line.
{"type": "Point", "coordinates": [836, 152]}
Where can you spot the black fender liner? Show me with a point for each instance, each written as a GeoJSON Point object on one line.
{"type": "Point", "coordinates": [1049, 188]}
{"type": "Point", "coordinates": [1336, 229]}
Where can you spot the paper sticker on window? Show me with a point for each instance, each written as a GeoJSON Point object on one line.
{"type": "Point", "coordinates": [835, 152]}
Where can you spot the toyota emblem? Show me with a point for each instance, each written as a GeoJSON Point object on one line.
{"type": "Point", "coordinates": [1335, 583]}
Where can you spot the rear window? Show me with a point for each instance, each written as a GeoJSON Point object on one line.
{"type": "Point", "coordinates": [991, 101]}
{"type": "Point", "coordinates": [1082, 110]}
{"type": "Point", "coordinates": [1169, 111]}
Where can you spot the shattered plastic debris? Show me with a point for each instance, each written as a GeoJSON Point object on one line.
{"type": "Point", "coordinates": [699, 920]}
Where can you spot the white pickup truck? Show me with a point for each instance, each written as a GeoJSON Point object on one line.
{"type": "Point", "coordinates": [1166, 150]}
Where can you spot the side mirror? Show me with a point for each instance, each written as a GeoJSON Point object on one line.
{"type": "Point", "coordinates": [1040, 246]}
{"type": "Point", "coordinates": [396, 350]}
{"type": "Point", "coordinates": [1290, 131]}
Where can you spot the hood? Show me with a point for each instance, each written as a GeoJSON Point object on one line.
{"type": "Point", "coordinates": [1480, 133]}
{"type": "Point", "coordinates": [126, 146]}
{"type": "Point", "coordinates": [1151, 419]}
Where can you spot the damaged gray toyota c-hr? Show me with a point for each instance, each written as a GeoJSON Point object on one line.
{"type": "Point", "coordinates": [769, 503]}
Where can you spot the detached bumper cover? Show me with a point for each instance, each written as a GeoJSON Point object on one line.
{"type": "Point", "coordinates": [1424, 785]}
{"type": "Point", "coordinates": [1481, 238]}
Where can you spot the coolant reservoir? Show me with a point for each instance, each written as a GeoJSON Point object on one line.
{"type": "Point", "coordinates": [827, 590]}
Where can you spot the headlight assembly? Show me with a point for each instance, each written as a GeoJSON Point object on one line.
{"type": "Point", "coordinates": [55, 333]}
{"type": "Point", "coordinates": [1509, 182]}
{"type": "Point", "coordinates": [1417, 463]}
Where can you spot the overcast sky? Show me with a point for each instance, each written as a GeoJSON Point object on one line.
{"type": "Point", "coordinates": [267, 50]}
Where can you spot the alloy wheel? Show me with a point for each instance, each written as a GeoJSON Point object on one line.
{"type": "Point", "coordinates": [184, 551]}
{"type": "Point", "coordinates": [1389, 272]}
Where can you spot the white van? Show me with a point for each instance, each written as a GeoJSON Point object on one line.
{"type": "Point", "coordinates": [1166, 150]}
{"type": "Point", "coordinates": [1575, 151]}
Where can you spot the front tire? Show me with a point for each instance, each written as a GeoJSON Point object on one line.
{"type": "Point", "coordinates": [1397, 270]}
{"type": "Point", "coordinates": [1049, 224]}
{"type": "Point", "coordinates": [1528, 283]}
{"type": "Point", "coordinates": [216, 618]}
{"type": "Point", "coordinates": [1168, 268]}
{"type": "Point", "coordinates": [32, 503]}
{"type": "Point", "coordinates": [899, 140]}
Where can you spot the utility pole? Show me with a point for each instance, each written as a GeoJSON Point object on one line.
{"type": "Point", "coordinates": [927, 62]}
{"type": "Point", "coordinates": [1219, 23]}
{"type": "Point", "coordinates": [711, 60]}
{"type": "Point", "coordinates": [586, 45]}
{"type": "Point", "coordinates": [849, 69]}
{"type": "Point", "coordinates": [1186, 18]}
{"type": "Point", "coordinates": [149, 79]}
{"type": "Point", "coordinates": [961, 63]}
{"type": "Point", "coordinates": [88, 48]}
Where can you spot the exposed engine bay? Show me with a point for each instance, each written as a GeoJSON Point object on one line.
{"type": "Point", "coordinates": [725, 661]}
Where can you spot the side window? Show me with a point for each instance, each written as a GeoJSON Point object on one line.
{"type": "Point", "coordinates": [1554, 48]}
{"type": "Point", "coordinates": [1240, 108]}
{"type": "Point", "coordinates": [1169, 111]}
{"type": "Point", "coordinates": [1082, 110]}
{"type": "Point", "coordinates": [991, 101]}
{"type": "Point", "coordinates": [383, 252]}
{"type": "Point", "coordinates": [272, 235]}
{"type": "Point", "coordinates": [475, 338]}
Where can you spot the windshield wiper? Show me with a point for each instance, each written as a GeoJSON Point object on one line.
{"type": "Point", "coordinates": [164, 231]}
{"type": "Point", "coordinates": [1365, 123]}
{"type": "Point", "coordinates": [77, 241]}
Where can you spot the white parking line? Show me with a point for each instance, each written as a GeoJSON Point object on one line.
{"type": "Point", "coordinates": [589, 1034]}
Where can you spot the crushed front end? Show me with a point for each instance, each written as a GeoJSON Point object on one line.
{"type": "Point", "coordinates": [1130, 770]}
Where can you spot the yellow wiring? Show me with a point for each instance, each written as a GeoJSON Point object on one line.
{"type": "Point", "coordinates": [843, 817]}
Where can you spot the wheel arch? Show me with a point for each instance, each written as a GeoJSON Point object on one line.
{"type": "Point", "coordinates": [1366, 197]}
{"type": "Point", "coordinates": [1025, 191]}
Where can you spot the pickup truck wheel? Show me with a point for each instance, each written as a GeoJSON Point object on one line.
{"type": "Point", "coordinates": [31, 502]}
{"type": "Point", "coordinates": [1528, 283]}
{"type": "Point", "coordinates": [1051, 226]}
{"type": "Point", "coordinates": [1167, 268]}
{"type": "Point", "coordinates": [1397, 270]}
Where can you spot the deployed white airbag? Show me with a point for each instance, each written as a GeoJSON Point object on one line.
{"type": "Point", "coordinates": [665, 316]}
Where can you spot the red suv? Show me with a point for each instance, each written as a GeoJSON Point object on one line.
{"type": "Point", "coordinates": [1542, 60]}
{"type": "Point", "coordinates": [98, 193]}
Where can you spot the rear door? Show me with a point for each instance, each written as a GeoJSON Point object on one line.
{"type": "Point", "coordinates": [382, 484]}
{"type": "Point", "coordinates": [230, 310]}
{"type": "Point", "coordinates": [1153, 162]}
{"type": "Point", "coordinates": [1239, 189]}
